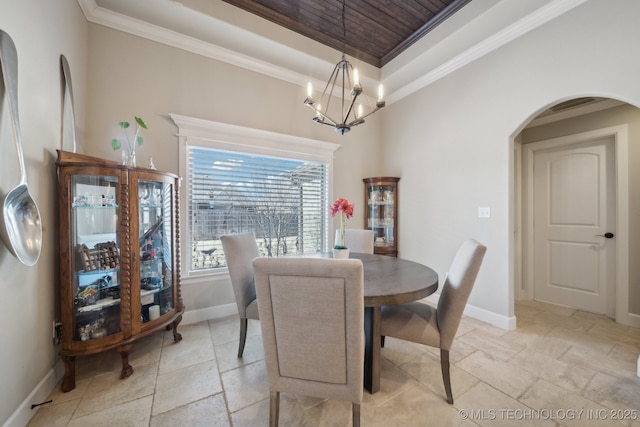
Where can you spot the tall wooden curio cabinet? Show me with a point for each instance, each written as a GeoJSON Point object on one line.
{"type": "Point", "coordinates": [381, 213]}
{"type": "Point", "coordinates": [119, 257]}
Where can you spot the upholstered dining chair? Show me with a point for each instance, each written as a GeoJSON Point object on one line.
{"type": "Point", "coordinates": [239, 251]}
{"type": "Point", "coordinates": [437, 326]}
{"type": "Point", "coordinates": [357, 240]}
{"type": "Point", "coordinates": [312, 320]}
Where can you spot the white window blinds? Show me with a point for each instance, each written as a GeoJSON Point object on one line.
{"type": "Point", "coordinates": [284, 202]}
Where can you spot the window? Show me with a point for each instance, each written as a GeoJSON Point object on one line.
{"type": "Point", "coordinates": [244, 180]}
{"type": "Point", "coordinates": [282, 201]}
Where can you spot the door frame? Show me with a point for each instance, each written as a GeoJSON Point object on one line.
{"type": "Point", "coordinates": [524, 240]}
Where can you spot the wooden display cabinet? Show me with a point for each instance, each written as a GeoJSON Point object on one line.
{"type": "Point", "coordinates": [119, 257]}
{"type": "Point", "coordinates": [381, 213]}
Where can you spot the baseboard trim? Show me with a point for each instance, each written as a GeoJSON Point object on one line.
{"type": "Point", "coordinates": [24, 413]}
{"type": "Point", "coordinates": [216, 312]}
{"type": "Point", "coordinates": [629, 319]}
{"type": "Point", "coordinates": [497, 320]}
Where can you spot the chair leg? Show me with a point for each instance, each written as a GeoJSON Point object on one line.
{"type": "Point", "coordinates": [243, 336]}
{"type": "Point", "coordinates": [355, 410]}
{"type": "Point", "coordinates": [444, 363]}
{"type": "Point", "coordinates": [382, 341]}
{"type": "Point", "coordinates": [274, 408]}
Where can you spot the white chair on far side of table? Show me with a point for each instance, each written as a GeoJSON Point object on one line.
{"type": "Point", "coordinates": [357, 240]}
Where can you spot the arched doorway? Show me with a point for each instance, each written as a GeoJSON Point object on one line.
{"type": "Point", "coordinates": [550, 138]}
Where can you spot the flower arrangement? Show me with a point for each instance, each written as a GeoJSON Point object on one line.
{"type": "Point", "coordinates": [129, 156]}
{"type": "Point", "coordinates": [345, 209]}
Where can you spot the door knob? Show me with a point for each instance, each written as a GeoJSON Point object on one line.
{"type": "Point", "coordinates": [606, 235]}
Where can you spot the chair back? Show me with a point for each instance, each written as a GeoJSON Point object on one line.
{"type": "Point", "coordinates": [457, 288]}
{"type": "Point", "coordinates": [312, 320]}
{"type": "Point", "coordinates": [357, 240]}
{"type": "Point", "coordinates": [239, 251]}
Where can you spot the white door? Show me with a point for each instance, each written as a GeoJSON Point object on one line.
{"type": "Point", "coordinates": [573, 211]}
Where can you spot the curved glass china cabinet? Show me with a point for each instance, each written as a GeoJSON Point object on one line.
{"type": "Point", "coordinates": [119, 257]}
{"type": "Point", "coordinates": [381, 213]}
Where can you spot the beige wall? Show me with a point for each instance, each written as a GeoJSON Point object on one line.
{"type": "Point", "coordinates": [42, 31]}
{"type": "Point", "coordinates": [131, 76]}
{"type": "Point", "coordinates": [623, 115]}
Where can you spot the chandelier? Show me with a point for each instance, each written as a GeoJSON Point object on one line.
{"type": "Point", "coordinates": [350, 114]}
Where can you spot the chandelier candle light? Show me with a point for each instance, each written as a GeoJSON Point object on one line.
{"type": "Point", "coordinates": [349, 117]}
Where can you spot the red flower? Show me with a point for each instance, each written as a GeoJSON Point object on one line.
{"type": "Point", "coordinates": [342, 205]}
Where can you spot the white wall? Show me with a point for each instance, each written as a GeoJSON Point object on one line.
{"type": "Point", "coordinates": [451, 142]}
{"type": "Point", "coordinates": [41, 31]}
{"type": "Point", "coordinates": [623, 115]}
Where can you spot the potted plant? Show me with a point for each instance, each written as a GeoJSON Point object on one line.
{"type": "Point", "coordinates": [345, 209]}
{"type": "Point", "coordinates": [129, 150]}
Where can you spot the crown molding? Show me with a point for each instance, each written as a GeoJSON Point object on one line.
{"type": "Point", "coordinates": [404, 79]}
{"type": "Point", "coordinates": [228, 136]}
{"type": "Point", "coordinates": [519, 28]}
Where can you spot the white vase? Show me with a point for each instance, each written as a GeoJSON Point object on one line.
{"type": "Point", "coordinates": [341, 253]}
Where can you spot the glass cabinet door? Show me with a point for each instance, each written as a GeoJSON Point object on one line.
{"type": "Point", "coordinates": [156, 249]}
{"type": "Point", "coordinates": [381, 214]}
{"type": "Point", "coordinates": [381, 198]}
{"type": "Point", "coordinates": [96, 258]}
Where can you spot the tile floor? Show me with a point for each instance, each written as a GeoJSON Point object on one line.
{"type": "Point", "coordinates": [560, 367]}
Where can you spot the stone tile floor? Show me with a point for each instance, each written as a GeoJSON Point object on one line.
{"type": "Point", "coordinates": [560, 367]}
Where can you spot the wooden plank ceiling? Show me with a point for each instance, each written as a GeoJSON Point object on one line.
{"type": "Point", "coordinates": [375, 31]}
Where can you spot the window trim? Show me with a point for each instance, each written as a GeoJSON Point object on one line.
{"type": "Point", "coordinates": [223, 136]}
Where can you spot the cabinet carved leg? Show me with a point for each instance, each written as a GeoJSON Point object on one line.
{"type": "Point", "coordinates": [177, 336]}
{"type": "Point", "coordinates": [127, 369]}
{"type": "Point", "coordinates": [69, 379]}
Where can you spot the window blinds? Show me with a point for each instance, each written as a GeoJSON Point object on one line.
{"type": "Point", "coordinates": [284, 202]}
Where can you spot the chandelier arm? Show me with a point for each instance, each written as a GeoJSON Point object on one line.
{"type": "Point", "coordinates": [320, 122]}
{"type": "Point", "coordinates": [324, 116]}
{"type": "Point", "coordinates": [353, 101]}
{"type": "Point", "coordinates": [332, 78]}
{"type": "Point", "coordinates": [370, 112]}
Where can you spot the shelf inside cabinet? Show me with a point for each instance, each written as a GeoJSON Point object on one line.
{"type": "Point", "coordinates": [82, 273]}
{"type": "Point", "coordinates": [99, 305]}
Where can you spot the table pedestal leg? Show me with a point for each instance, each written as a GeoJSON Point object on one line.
{"type": "Point", "coordinates": [372, 349]}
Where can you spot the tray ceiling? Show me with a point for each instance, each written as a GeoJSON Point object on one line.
{"type": "Point", "coordinates": [375, 31]}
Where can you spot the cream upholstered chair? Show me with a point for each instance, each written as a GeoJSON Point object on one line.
{"type": "Point", "coordinates": [312, 320]}
{"type": "Point", "coordinates": [239, 251]}
{"type": "Point", "coordinates": [421, 323]}
{"type": "Point", "coordinates": [357, 240]}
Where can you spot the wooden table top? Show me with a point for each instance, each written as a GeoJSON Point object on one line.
{"type": "Point", "coordinates": [389, 280]}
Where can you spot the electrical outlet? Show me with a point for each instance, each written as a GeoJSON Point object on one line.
{"type": "Point", "coordinates": [57, 332]}
{"type": "Point", "coordinates": [484, 212]}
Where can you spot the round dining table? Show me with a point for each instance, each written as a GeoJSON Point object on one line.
{"type": "Point", "coordinates": [388, 281]}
